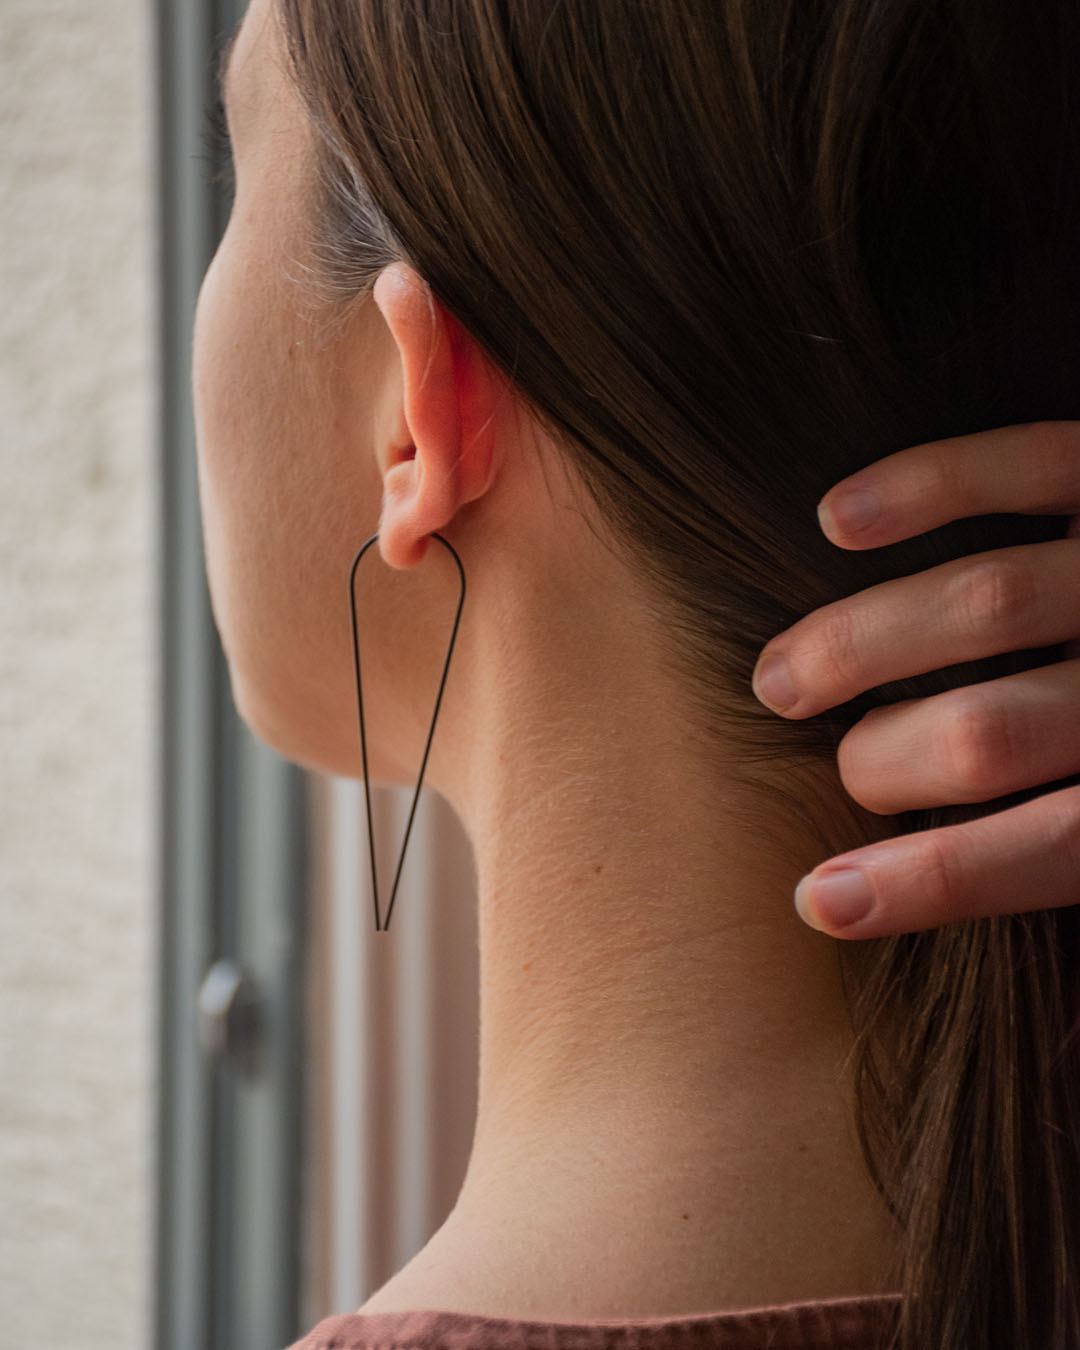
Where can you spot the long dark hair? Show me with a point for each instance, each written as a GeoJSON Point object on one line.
{"type": "Point", "coordinates": [731, 251]}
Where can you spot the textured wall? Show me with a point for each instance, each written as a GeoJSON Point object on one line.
{"type": "Point", "coordinates": [77, 646]}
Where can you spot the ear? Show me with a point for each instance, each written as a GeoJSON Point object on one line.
{"type": "Point", "coordinates": [447, 418]}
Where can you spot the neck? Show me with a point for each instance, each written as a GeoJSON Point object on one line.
{"type": "Point", "coordinates": [665, 1118]}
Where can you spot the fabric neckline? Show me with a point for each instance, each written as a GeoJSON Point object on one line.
{"type": "Point", "coordinates": [788, 1326]}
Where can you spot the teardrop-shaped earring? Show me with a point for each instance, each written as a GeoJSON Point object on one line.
{"type": "Point", "coordinates": [363, 733]}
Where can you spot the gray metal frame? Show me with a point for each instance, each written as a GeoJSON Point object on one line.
{"type": "Point", "coordinates": [233, 842]}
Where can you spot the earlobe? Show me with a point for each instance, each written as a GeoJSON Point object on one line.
{"type": "Point", "coordinates": [449, 404]}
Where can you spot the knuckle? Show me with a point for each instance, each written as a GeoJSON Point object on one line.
{"type": "Point", "coordinates": [836, 660]}
{"type": "Point", "coordinates": [1054, 451]}
{"type": "Point", "coordinates": [946, 475]}
{"type": "Point", "coordinates": [1065, 829]}
{"type": "Point", "coordinates": [993, 596]}
{"type": "Point", "coordinates": [978, 747]}
{"type": "Point", "coordinates": [943, 474]}
{"type": "Point", "coordinates": [938, 874]}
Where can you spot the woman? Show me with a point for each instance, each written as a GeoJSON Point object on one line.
{"type": "Point", "coordinates": [606, 296]}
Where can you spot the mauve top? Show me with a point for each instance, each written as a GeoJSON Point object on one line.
{"type": "Point", "coordinates": [862, 1323]}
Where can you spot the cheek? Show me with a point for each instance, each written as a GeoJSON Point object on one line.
{"type": "Point", "coordinates": [228, 425]}
{"type": "Point", "coordinates": [282, 515]}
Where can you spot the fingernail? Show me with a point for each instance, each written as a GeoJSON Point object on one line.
{"type": "Point", "coordinates": [773, 684]}
{"type": "Point", "coordinates": [835, 900]}
{"type": "Point", "coordinates": [849, 511]}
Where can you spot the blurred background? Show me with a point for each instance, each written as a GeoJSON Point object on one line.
{"type": "Point", "coordinates": [78, 668]}
{"type": "Point", "coordinates": [228, 1108]}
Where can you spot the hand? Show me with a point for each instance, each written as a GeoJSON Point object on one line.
{"type": "Point", "coordinates": [967, 745]}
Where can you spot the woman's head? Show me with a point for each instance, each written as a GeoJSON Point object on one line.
{"type": "Point", "coordinates": [719, 255]}
{"type": "Point", "coordinates": [323, 417]}
{"type": "Point", "coordinates": [707, 258]}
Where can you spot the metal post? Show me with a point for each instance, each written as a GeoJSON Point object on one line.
{"type": "Point", "coordinates": [232, 847]}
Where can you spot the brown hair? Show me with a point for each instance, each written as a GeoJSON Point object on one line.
{"type": "Point", "coordinates": [731, 251]}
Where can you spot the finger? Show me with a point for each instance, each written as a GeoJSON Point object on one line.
{"type": "Point", "coordinates": [1009, 599]}
{"type": "Point", "coordinates": [1032, 469]}
{"type": "Point", "coordinates": [1024, 858]}
{"type": "Point", "coordinates": [967, 745]}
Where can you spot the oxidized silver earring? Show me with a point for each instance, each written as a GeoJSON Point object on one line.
{"type": "Point", "coordinates": [363, 732]}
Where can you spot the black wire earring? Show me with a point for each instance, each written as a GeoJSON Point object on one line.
{"type": "Point", "coordinates": [363, 732]}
